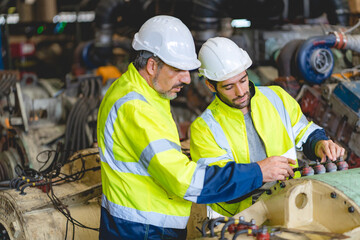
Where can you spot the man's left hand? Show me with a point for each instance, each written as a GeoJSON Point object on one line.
{"type": "Point", "coordinates": [327, 148]}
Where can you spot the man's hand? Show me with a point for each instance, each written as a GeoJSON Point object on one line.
{"type": "Point", "coordinates": [276, 168]}
{"type": "Point", "coordinates": [327, 148]}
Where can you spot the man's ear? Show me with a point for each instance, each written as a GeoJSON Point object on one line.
{"type": "Point", "coordinates": [210, 86]}
{"type": "Point", "coordinates": [151, 67]}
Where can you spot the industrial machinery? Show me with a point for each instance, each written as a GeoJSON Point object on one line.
{"type": "Point", "coordinates": [44, 121]}
{"type": "Point", "coordinates": [330, 97]}
{"type": "Point", "coordinates": [45, 115]}
{"type": "Point", "coordinates": [63, 202]}
{"type": "Point", "coordinates": [322, 206]}
{"type": "Point", "coordinates": [336, 108]}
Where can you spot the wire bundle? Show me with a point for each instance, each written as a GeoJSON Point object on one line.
{"type": "Point", "coordinates": [76, 135]}
{"type": "Point", "coordinates": [48, 177]}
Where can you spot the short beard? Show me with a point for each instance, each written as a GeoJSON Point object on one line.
{"type": "Point", "coordinates": [243, 105]}
{"type": "Point", "coordinates": [164, 94]}
{"type": "Point", "coordinates": [232, 104]}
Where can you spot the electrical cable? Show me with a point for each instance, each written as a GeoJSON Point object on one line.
{"type": "Point", "coordinates": [5, 183]}
{"type": "Point", "coordinates": [71, 131]}
{"type": "Point", "coordinates": [212, 224]}
{"type": "Point", "coordinates": [203, 228]}
{"type": "Point", "coordinates": [47, 178]}
{"type": "Point", "coordinates": [60, 207]}
{"type": "Point", "coordinates": [239, 233]}
{"type": "Point", "coordinates": [223, 230]}
{"type": "Point", "coordinates": [349, 30]}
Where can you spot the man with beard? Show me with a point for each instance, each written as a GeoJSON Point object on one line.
{"type": "Point", "coordinates": [249, 124]}
{"type": "Point", "coordinates": [148, 183]}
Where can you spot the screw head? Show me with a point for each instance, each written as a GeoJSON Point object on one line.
{"type": "Point", "coordinates": [333, 195]}
{"type": "Point", "coordinates": [351, 209]}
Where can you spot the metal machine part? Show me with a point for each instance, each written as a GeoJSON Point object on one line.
{"type": "Point", "coordinates": [108, 14]}
{"type": "Point", "coordinates": [32, 212]}
{"type": "Point", "coordinates": [206, 20]}
{"type": "Point", "coordinates": [206, 15]}
{"type": "Point", "coordinates": [19, 140]}
{"type": "Point", "coordinates": [321, 60]}
{"type": "Point", "coordinates": [345, 100]}
{"type": "Point", "coordinates": [339, 116]}
{"type": "Point", "coordinates": [9, 159]}
{"type": "Point", "coordinates": [315, 207]}
{"type": "Point", "coordinates": [312, 60]}
{"type": "Point", "coordinates": [306, 55]}
{"type": "Point", "coordinates": [34, 116]}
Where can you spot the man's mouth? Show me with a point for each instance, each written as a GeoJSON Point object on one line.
{"type": "Point", "coordinates": [178, 88]}
{"type": "Point", "coordinates": [241, 99]}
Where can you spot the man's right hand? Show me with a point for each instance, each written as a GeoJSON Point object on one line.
{"type": "Point", "coordinates": [276, 168]}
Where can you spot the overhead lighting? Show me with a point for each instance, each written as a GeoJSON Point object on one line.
{"type": "Point", "coordinates": [72, 17]}
{"type": "Point", "coordinates": [88, 16]}
{"type": "Point", "coordinates": [10, 18]}
{"type": "Point", "coordinates": [240, 23]}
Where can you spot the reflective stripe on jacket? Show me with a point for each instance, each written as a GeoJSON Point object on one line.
{"type": "Point", "coordinates": [219, 134]}
{"type": "Point", "coordinates": [145, 176]}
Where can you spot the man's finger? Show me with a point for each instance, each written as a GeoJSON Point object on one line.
{"type": "Point", "coordinates": [338, 152]}
{"type": "Point", "coordinates": [290, 172]}
{"type": "Point", "coordinates": [332, 148]}
{"type": "Point", "coordinates": [342, 152]}
{"type": "Point", "coordinates": [291, 161]}
{"type": "Point", "coordinates": [328, 153]}
{"type": "Point", "coordinates": [281, 178]}
{"type": "Point", "coordinates": [286, 170]}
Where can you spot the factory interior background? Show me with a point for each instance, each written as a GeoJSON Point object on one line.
{"type": "Point", "coordinates": [59, 57]}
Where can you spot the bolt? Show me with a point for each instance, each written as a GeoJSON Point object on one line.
{"type": "Point", "coordinates": [282, 184]}
{"type": "Point", "coordinates": [268, 192]}
{"type": "Point", "coordinates": [351, 209]}
{"type": "Point", "coordinates": [333, 195]}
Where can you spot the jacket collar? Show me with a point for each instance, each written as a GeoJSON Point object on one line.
{"type": "Point", "coordinates": [231, 111]}
{"type": "Point", "coordinates": [148, 92]}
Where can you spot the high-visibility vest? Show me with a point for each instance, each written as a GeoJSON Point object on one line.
{"type": "Point", "coordinates": [219, 134]}
{"type": "Point", "coordinates": [145, 177]}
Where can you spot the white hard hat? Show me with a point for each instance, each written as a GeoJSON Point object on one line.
{"type": "Point", "coordinates": [222, 59]}
{"type": "Point", "coordinates": [169, 39]}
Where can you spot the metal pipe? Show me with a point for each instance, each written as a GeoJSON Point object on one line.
{"type": "Point", "coordinates": [105, 17]}
{"type": "Point", "coordinates": [206, 19]}
{"type": "Point", "coordinates": [353, 43]}
{"type": "Point", "coordinates": [315, 60]}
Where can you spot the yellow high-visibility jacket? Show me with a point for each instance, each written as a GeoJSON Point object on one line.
{"type": "Point", "coordinates": [219, 134]}
{"type": "Point", "coordinates": [137, 138]}
{"type": "Point", "coordinates": [145, 177]}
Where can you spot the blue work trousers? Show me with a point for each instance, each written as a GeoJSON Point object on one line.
{"type": "Point", "coordinates": [112, 228]}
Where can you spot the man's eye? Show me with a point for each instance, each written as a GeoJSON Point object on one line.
{"type": "Point", "coordinates": [229, 87]}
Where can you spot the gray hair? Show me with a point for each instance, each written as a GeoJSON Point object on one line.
{"type": "Point", "coordinates": [143, 56]}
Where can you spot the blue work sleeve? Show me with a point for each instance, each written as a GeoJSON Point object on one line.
{"type": "Point", "coordinates": [222, 184]}
{"type": "Point", "coordinates": [309, 145]}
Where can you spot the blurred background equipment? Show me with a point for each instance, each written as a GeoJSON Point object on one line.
{"type": "Point", "coordinates": [51, 204]}
{"type": "Point", "coordinates": [59, 57]}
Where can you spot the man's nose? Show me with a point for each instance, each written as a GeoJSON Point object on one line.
{"type": "Point", "coordinates": [185, 77]}
{"type": "Point", "coordinates": [238, 90]}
